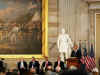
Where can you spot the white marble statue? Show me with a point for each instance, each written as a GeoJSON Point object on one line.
{"type": "Point", "coordinates": [64, 44]}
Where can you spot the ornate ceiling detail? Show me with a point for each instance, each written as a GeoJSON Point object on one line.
{"type": "Point", "coordinates": [92, 0]}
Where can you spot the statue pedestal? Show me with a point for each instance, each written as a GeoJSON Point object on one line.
{"type": "Point", "coordinates": [73, 62]}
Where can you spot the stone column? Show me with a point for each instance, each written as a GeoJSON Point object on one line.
{"type": "Point", "coordinates": [73, 16]}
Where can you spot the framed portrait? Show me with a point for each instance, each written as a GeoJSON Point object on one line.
{"type": "Point", "coordinates": [23, 28]}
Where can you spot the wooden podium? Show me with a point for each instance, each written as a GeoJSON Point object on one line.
{"type": "Point", "coordinates": [73, 61]}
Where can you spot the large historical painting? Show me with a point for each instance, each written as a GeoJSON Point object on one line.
{"type": "Point", "coordinates": [21, 27]}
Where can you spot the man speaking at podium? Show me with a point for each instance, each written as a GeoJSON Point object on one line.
{"type": "Point", "coordinates": [76, 52]}
{"type": "Point", "coordinates": [75, 58]}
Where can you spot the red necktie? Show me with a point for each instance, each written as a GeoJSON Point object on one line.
{"type": "Point", "coordinates": [47, 64]}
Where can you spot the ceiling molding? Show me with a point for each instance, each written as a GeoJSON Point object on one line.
{"type": "Point", "coordinates": [92, 0]}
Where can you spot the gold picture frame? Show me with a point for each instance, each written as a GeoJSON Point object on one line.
{"type": "Point", "coordinates": [44, 37]}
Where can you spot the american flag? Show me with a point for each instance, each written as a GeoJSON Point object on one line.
{"type": "Point", "coordinates": [90, 63]}
{"type": "Point", "coordinates": [92, 59]}
{"type": "Point", "coordinates": [80, 47]}
{"type": "Point", "coordinates": [84, 56]}
{"type": "Point", "coordinates": [89, 60]}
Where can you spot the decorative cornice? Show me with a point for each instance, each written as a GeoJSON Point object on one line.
{"type": "Point", "coordinates": [92, 0]}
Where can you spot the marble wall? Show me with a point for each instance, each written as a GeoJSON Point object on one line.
{"type": "Point", "coordinates": [74, 17]}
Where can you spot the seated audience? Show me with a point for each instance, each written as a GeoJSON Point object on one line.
{"type": "Point", "coordinates": [59, 65]}
{"type": "Point", "coordinates": [2, 73]}
{"type": "Point", "coordinates": [50, 73]}
{"type": "Point", "coordinates": [2, 69]}
{"type": "Point", "coordinates": [74, 72]}
{"type": "Point", "coordinates": [46, 65]}
{"type": "Point", "coordinates": [22, 66]}
{"type": "Point", "coordinates": [34, 66]}
{"type": "Point", "coordinates": [10, 72]}
{"type": "Point", "coordinates": [76, 52]}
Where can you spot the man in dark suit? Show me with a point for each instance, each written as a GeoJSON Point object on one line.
{"type": "Point", "coordinates": [2, 69]}
{"type": "Point", "coordinates": [22, 66]}
{"type": "Point", "coordinates": [34, 66]}
{"type": "Point", "coordinates": [46, 65]}
{"type": "Point", "coordinates": [59, 65]}
{"type": "Point", "coordinates": [76, 52]}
